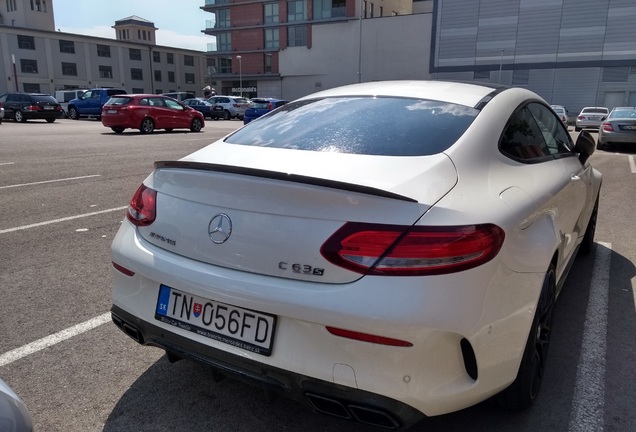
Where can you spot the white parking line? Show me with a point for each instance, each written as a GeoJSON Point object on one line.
{"type": "Point", "coordinates": [23, 227]}
{"type": "Point", "coordinates": [7, 163]}
{"type": "Point", "coordinates": [50, 181]}
{"type": "Point", "coordinates": [632, 164]}
{"type": "Point", "coordinates": [588, 402]}
{"type": "Point", "coordinates": [45, 342]}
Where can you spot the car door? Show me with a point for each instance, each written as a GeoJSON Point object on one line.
{"type": "Point", "coordinates": [160, 113]}
{"type": "Point", "coordinates": [576, 191]}
{"type": "Point", "coordinates": [178, 116]}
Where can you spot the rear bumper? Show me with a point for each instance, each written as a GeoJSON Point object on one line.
{"type": "Point", "coordinates": [617, 137]}
{"type": "Point", "coordinates": [322, 396]}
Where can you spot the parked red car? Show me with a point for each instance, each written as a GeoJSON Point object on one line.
{"type": "Point", "coordinates": [148, 112]}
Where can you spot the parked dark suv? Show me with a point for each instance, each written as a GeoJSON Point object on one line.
{"type": "Point", "coordinates": [26, 106]}
{"type": "Point", "coordinates": [90, 103]}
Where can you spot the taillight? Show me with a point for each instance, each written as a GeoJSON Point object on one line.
{"type": "Point", "coordinates": [142, 210]}
{"type": "Point", "coordinates": [236, 105]}
{"type": "Point", "coordinates": [394, 250]}
{"type": "Point", "coordinates": [607, 127]}
{"type": "Point", "coordinates": [581, 117]}
{"type": "Point", "coordinates": [34, 108]}
{"type": "Point", "coordinates": [270, 106]}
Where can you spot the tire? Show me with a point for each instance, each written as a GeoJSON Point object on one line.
{"type": "Point", "coordinates": [169, 130]}
{"type": "Point", "coordinates": [577, 129]}
{"type": "Point", "coordinates": [19, 117]}
{"type": "Point", "coordinates": [523, 392]}
{"type": "Point", "coordinates": [600, 146]}
{"type": "Point", "coordinates": [118, 130]}
{"type": "Point", "coordinates": [227, 115]}
{"type": "Point", "coordinates": [588, 238]}
{"type": "Point", "coordinates": [147, 126]}
{"type": "Point", "coordinates": [50, 120]}
{"type": "Point", "coordinates": [73, 114]}
{"type": "Point", "coordinates": [196, 125]}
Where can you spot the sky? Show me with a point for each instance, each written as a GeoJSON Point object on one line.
{"type": "Point", "coordinates": [179, 21]}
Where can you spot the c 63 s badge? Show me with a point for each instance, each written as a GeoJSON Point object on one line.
{"type": "Point", "coordinates": [301, 268]}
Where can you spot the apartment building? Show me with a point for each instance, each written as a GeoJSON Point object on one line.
{"type": "Point", "coordinates": [36, 58]}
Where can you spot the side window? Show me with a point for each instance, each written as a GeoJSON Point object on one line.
{"type": "Point", "coordinates": [3, 98]}
{"type": "Point", "coordinates": [557, 139]}
{"type": "Point", "coordinates": [522, 139]}
{"type": "Point", "coordinates": [87, 95]}
{"type": "Point", "coordinates": [143, 102]}
{"type": "Point", "coordinates": [174, 105]}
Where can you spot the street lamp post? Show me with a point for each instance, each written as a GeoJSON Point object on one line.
{"type": "Point", "coordinates": [500, 64]}
{"type": "Point", "coordinates": [240, 74]}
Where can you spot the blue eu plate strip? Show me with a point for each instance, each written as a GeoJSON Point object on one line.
{"type": "Point", "coordinates": [164, 300]}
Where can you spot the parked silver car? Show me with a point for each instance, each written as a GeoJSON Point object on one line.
{"type": "Point", "coordinates": [590, 117]}
{"type": "Point", "coordinates": [618, 128]}
{"type": "Point", "coordinates": [14, 416]}
{"type": "Point", "coordinates": [233, 106]}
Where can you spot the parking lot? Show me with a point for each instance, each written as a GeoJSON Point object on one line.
{"type": "Point", "coordinates": [64, 188]}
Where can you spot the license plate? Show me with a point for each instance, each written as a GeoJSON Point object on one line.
{"type": "Point", "coordinates": [111, 112]}
{"type": "Point", "coordinates": [627, 127]}
{"type": "Point", "coordinates": [49, 108]}
{"type": "Point", "coordinates": [243, 328]}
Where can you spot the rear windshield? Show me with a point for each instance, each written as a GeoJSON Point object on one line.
{"type": "Point", "coordinates": [119, 101]}
{"type": "Point", "coordinates": [258, 105]}
{"type": "Point", "coordinates": [360, 125]}
{"type": "Point", "coordinates": [559, 110]}
{"type": "Point", "coordinates": [595, 110]}
{"type": "Point", "coordinates": [624, 113]}
{"type": "Point", "coordinates": [43, 98]}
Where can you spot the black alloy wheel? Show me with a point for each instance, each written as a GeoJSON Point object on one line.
{"type": "Point", "coordinates": [523, 392]}
{"type": "Point", "coordinates": [73, 114]}
{"type": "Point", "coordinates": [147, 126]}
{"type": "Point", "coordinates": [227, 115]}
{"type": "Point", "coordinates": [196, 125]}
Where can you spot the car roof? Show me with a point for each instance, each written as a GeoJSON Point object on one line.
{"type": "Point", "coordinates": [461, 93]}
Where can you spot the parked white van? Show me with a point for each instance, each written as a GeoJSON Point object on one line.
{"type": "Point", "coordinates": [180, 96]}
{"type": "Point", "coordinates": [64, 96]}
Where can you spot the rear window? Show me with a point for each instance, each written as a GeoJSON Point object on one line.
{"type": "Point", "coordinates": [360, 125]}
{"type": "Point", "coordinates": [43, 98]}
{"type": "Point", "coordinates": [112, 92]}
{"type": "Point", "coordinates": [595, 110]}
{"type": "Point", "coordinates": [258, 105]}
{"type": "Point", "coordinates": [624, 113]}
{"type": "Point", "coordinates": [119, 101]}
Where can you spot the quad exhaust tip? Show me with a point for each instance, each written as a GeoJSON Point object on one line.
{"type": "Point", "coordinates": [356, 412]}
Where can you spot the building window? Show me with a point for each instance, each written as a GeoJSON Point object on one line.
{"type": "Point", "coordinates": [615, 74]}
{"type": "Point", "coordinates": [223, 18]}
{"type": "Point", "coordinates": [138, 90]}
{"type": "Point", "coordinates": [297, 36]}
{"type": "Point", "coordinates": [29, 66]}
{"type": "Point", "coordinates": [188, 60]}
{"type": "Point", "coordinates": [170, 76]}
{"type": "Point", "coordinates": [134, 54]}
{"type": "Point", "coordinates": [158, 91]}
{"type": "Point", "coordinates": [139, 34]}
{"type": "Point", "coordinates": [69, 69]}
{"type": "Point", "coordinates": [156, 56]}
{"type": "Point", "coordinates": [31, 88]}
{"type": "Point", "coordinates": [38, 5]}
{"type": "Point", "coordinates": [268, 63]}
{"type": "Point", "coordinates": [481, 75]}
{"type": "Point", "coordinates": [296, 10]}
{"type": "Point", "coordinates": [189, 78]}
{"type": "Point", "coordinates": [136, 74]}
{"type": "Point", "coordinates": [103, 51]}
{"type": "Point", "coordinates": [26, 42]}
{"type": "Point", "coordinates": [270, 13]}
{"type": "Point", "coordinates": [67, 47]}
{"type": "Point", "coordinates": [105, 71]}
{"type": "Point", "coordinates": [157, 75]}
{"type": "Point", "coordinates": [224, 42]}
{"type": "Point", "coordinates": [170, 58]}
{"type": "Point", "coordinates": [372, 7]}
{"type": "Point", "coordinates": [520, 77]}
{"type": "Point", "coordinates": [11, 6]}
{"type": "Point", "coordinates": [271, 38]}
{"type": "Point", "coordinates": [225, 65]}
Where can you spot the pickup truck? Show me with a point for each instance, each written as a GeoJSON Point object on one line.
{"type": "Point", "coordinates": [90, 103]}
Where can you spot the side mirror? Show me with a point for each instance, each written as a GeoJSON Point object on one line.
{"type": "Point", "coordinates": [603, 118]}
{"type": "Point", "coordinates": [584, 146]}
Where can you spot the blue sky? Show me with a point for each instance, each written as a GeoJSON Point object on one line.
{"type": "Point", "coordinates": [179, 21]}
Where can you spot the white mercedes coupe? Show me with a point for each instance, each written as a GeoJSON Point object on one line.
{"type": "Point", "coordinates": [383, 251]}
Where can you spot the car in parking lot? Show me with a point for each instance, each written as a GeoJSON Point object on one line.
{"type": "Point", "coordinates": [561, 112]}
{"type": "Point", "coordinates": [148, 112]}
{"type": "Point", "coordinates": [261, 106]}
{"type": "Point", "coordinates": [1, 112]}
{"type": "Point", "coordinates": [30, 106]}
{"type": "Point", "coordinates": [233, 106]}
{"type": "Point", "coordinates": [618, 128]}
{"type": "Point", "coordinates": [590, 117]}
{"type": "Point", "coordinates": [14, 415]}
{"type": "Point", "coordinates": [381, 252]}
{"type": "Point", "coordinates": [206, 108]}
{"type": "Point", "coordinates": [90, 102]}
